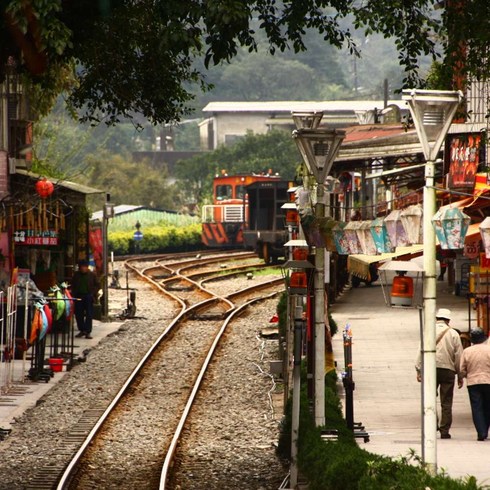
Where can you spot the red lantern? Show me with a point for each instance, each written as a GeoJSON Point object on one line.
{"type": "Point", "coordinates": [44, 187]}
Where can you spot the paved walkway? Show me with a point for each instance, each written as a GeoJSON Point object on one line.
{"type": "Point", "coordinates": [387, 397]}
{"type": "Point", "coordinates": [24, 395]}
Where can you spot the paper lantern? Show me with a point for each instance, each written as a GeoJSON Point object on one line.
{"type": "Point", "coordinates": [485, 235]}
{"type": "Point", "coordinates": [44, 188]}
{"type": "Point", "coordinates": [411, 218]}
{"type": "Point", "coordinates": [352, 237]}
{"type": "Point", "coordinates": [340, 239]}
{"type": "Point", "coordinates": [396, 230]}
{"type": "Point", "coordinates": [366, 238]}
{"type": "Point", "coordinates": [380, 236]}
{"type": "Point", "coordinates": [451, 226]}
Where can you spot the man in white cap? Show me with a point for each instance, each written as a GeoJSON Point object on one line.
{"type": "Point", "coordinates": [448, 358]}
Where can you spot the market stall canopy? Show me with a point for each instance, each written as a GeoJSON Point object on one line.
{"type": "Point", "coordinates": [401, 265]}
{"type": "Point", "coordinates": [358, 264]}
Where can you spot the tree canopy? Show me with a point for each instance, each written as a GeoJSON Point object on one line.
{"type": "Point", "coordinates": [118, 58]}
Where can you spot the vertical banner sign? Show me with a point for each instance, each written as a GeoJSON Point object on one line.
{"type": "Point", "coordinates": [95, 241]}
{"type": "Point", "coordinates": [464, 158]}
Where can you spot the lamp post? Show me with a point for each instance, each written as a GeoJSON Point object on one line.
{"type": "Point", "coordinates": [432, 112]}
{"type": "Point", "coordinates": [297, 284]}
{"type": "Point", "coordinates": [108, 212]}
{"type": "Point", "coordinates": [318, 147]}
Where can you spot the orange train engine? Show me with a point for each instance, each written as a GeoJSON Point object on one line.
{"type": "Point", "coordinates": [223, 221]}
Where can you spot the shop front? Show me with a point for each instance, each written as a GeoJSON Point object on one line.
{"type": "Point", "coordinates": [45, 229]}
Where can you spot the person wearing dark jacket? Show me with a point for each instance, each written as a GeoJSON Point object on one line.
{"type": "Point", "coordinates": [84, 287]}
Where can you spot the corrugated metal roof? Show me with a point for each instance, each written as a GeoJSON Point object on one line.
{"type": "Point", "coordinates": [119, 209]}
{"type": "Point", "coordinates": [66, 184]}
{"type": "Point", "coordinates": [361, 143]}
{"type": "Point", "coordinates": [301, 106]}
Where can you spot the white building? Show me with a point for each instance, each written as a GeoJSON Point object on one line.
{"type": "Point", "coordinates": [228, 121]}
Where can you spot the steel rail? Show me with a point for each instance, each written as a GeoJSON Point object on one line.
{"type": "Point", "coordinates": [185, 311]}
{"type": "Point", "coordinates": [197, 385]}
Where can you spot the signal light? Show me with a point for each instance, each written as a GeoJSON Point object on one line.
{"type": "Point", "coordinates": [402, 291]}
{"type": "Point", "coordinates": [298, 283]}
{"type": "Point", "coordinates": [292, 217]}
{"type": "Point", "coordinates": [300, 253]}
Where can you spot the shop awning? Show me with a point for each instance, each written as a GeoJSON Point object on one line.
{"type": "Point", "coordinates": [473, 233]}
{"type": "Point", "coordinates": [72, 186]}
{"type": "Point", "coordinates": [358, 264]}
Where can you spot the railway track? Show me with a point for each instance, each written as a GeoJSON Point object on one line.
{"type": "Point", "coordinates": [170, 373]}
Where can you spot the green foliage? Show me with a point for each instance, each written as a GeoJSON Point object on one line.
{"type": "Point", "coordinates": [334, 328]}
{"type": "Point", "coordinates": [121, 58]}
{"type": "Point", "coordinates": [157, 240]}
{"type": "Point", "coordinates": [343, 465]}
{"type": "Point", "coordinates": [252, 153]}
{"type": "Point", "coordinates": [125, 180]}
{"type": "Point", "coordinates": [282, 312]}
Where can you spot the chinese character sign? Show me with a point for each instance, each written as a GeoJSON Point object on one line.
{"type": "Point", "coordinates": [464, 158]}
{"type": "Point", "coordinates": [36, 237]}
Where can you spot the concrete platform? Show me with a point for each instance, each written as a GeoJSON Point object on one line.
{"type": "Point", "coordinates": [24, 393]}
{"type": "Point", "coordinates": [387, 397]}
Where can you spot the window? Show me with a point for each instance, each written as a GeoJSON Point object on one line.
{"type": "Point", "coordinates": [223, 192]}
{"type": "Point", "coordinates": [240, 192]}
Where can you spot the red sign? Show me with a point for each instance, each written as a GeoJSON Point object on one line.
{"type": "Point", "coordinates": [34, 237]}
{"type": "Point", "coordinates": [484, 262]}
{"type": "Point", "coordinates": [472, 249]}
{"type": "Point", "coordinates": [464, 158]}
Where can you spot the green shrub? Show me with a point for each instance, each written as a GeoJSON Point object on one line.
{"type": "Point", "coordinates": [157, 239]}
{"type": "Point", "coordinates": [343, 465]}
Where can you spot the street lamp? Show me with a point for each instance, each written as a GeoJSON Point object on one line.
{"type": "Point", "coordinates": [297, 284]}
{"type": "Point", "coordinates": [432, 112]}
{"type": "Point", "coordinates": [108, 212]}
{"type": "Point", "coordinates": [318, 147]}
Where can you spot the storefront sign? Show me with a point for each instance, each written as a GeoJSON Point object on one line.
{"type": "Point", "coordinates": [472, 249]}
{"type": "Point", "coordinates": [484, 262]}
{"type": "Point", "coordinates": [35, 237]}
{"type": "Point", "coordinates": [464, 158]}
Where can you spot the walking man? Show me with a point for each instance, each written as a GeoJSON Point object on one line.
{"type": "Point", "coordinates": [84, 286]}
{"type": "Point", "coordinates": [448, 359]}
{"type": "Point", "coordinates": [475, 367]}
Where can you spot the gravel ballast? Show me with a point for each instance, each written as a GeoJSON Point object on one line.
{"type": "Point", "coordinates": [93, 383]}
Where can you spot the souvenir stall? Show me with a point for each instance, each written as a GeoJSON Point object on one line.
{"type": "Point", "coordinates": [44, 232]}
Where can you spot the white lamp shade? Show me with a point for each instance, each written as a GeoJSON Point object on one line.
{"type": "Point", "coordinates": [411, 218]}
{"type": "Point", "coordinates": [366, 239]}
{"type": "Point", "coordinates": [451, 226]}
{"type": "Point", "coordinates": [340, 239]}
{"type": "Point", "coordinates": [352, 237]}
{"type": "Point", "coordinates": [485, 235]}
{"type": "Point", "coordinates": [396, 230]}
{"type": "Point", "coordinates": [380, 236]}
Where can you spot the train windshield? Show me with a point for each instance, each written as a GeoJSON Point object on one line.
{"type": "Point", "coordinates": [223, 192]}
{"type": "Point", "coordinates": [240, 192]}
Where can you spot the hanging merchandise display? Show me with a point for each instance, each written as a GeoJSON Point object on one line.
{"type": "Point", "coordinates": [485, 235]}
{"type": "Point", "coordinates": [380, 236]}
{"type": "Point", "coordinates": [340, 239]}
{"type": "Point", "coordinates": [69, 303]}
{"type": "Point", "coordinates": [395, 229]}
{"type": "Point", "coordinates": [411, 218]}
{"type": "Point", "coordinates": [366, 238]}
{"type": "Point", "coordinates": [451, 226]}
{"type": "Point", "coordinates": [352, 237]}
